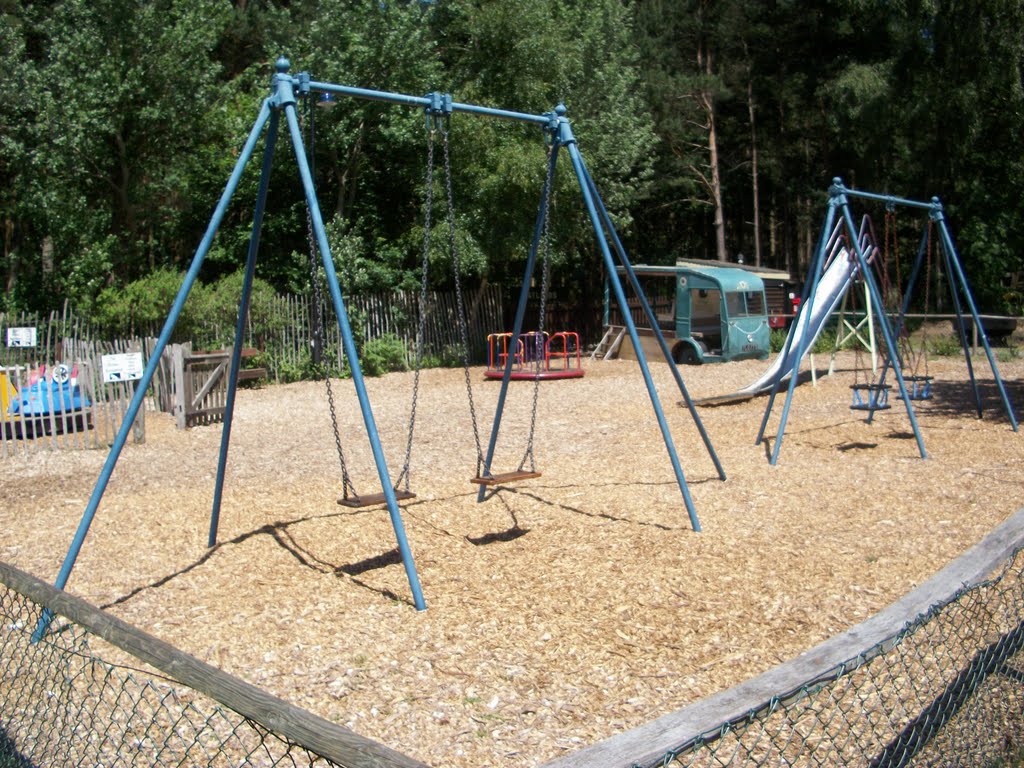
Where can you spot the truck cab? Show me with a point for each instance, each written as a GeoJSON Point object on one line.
{"type": "Point", "coordinates": [715, 314]}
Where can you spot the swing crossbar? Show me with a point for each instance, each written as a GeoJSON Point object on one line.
{"type": "Point", "coordinates": [372, 499]}
{"type": "Point", "coordinates": [505, 477]}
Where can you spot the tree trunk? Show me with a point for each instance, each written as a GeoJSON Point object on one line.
{"type": "Point", "coordinates": [707, 101]}
{"type": "Point", "coordinates": [10, 257]}
{"type": "Point", "coordinates": [753, 174]}
{"type": "Point", "coordinates": [716, 186]}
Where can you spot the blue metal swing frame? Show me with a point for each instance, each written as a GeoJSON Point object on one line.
{"type": "Point", "coordinates": [285, 90]}
{"type": "Point", "coordinates": [839, 206]}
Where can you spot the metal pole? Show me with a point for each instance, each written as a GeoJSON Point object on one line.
{"type": "Point", "coordinates": [566, 138]}
{"type": "Point", "coordinates": [638, 291]}
{"type": "Point", "coordinates": [958, 274]}
{"type": "Point", "coordinates": [801, 326]}
{"type": "Point", "coordinates": [901, 319]}
{"type": "Point", "coordinates": [243, 314]}
{"type": "Point", "coordinates": [151, 366]}
{"type": "Point", "coordinates": [422, 102]}
{"type": "Point", "coordinates": [883, 321]}
{"type": "Point", "coordinates": [286, 96]}
{"type": "Point", "coordinates": [517, 326]}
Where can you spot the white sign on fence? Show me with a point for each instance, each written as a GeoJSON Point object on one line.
{"type": "Point", "coordinates": [123, 367]}
{"type": "Point", "coordinates": [21, 337]}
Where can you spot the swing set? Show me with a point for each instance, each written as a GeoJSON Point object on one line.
{"type": "Point", "coordinates": [285, 92]}
{"type": "Point", "coordinates": [908, 364]}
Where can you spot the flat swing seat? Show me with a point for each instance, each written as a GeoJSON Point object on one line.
{"type": "Point", "coordinates": [373, 499]}
{"type": "Point", "coordinates": [504, 477]}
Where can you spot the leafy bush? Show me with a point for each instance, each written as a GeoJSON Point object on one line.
{"type": "Point", "coordinates": [825, 342]}
{"type": "Point", "coordinates": [383, 355]}
{"type": "Point", "coordinates": [944, 346]}
{"type": "Point", "coordinates": [141, 307]}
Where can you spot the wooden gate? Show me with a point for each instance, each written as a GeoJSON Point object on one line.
{"type": "Point", "coordinates": [194, 385]}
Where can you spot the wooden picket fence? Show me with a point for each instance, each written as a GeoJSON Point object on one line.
{"type": "Point", "coordinates": [192, 385]}
{"type": "Point", "coordinates": [92, 426]}
{"type": "Point", "coordinates": [373, 316]}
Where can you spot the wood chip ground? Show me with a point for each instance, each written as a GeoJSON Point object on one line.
{"type": "Point", "coordinates": [561, 611]}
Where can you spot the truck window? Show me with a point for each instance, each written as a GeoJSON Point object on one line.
{"type": "Point", "coordinates": [744, 303]}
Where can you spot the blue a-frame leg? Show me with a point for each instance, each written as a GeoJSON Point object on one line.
{"type": "Point", "coordinates": [561, 136]}
{"type": "Point", "coordinates": [959, 291]}
{"type": "Point", "coordinates": [282, 98]}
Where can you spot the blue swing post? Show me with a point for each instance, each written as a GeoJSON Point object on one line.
{"type": "Point", "coordinates": [561, 136]}
{"type": "Point", "coordinates": [878, 307]}
{"type": "Point", "coordinates": [627, 266]}
{"type": "Point", "coordinates": [287, 99]}
{"type": "Point", "coordinates": [154, 360]}
{"type": "Point", "coordinates": [803, 320]}
{"type": "Point", "coordinates": [958, 285]}
{"type": "Point", "coordinates": [953, 268]}
{"type": "Point", "coordinates": [243, 313]}
{"type": "Point", "coordinates": [517, 324]}
{"type": "Point", "coordinates": [567, 139]}
{"type": "Point", "coordinates": [918, 390]}
{"type": "Point", "coordinates": [283, 97]}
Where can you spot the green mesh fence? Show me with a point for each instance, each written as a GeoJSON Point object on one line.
{"type": "Point", "coordinates": [62, 705]}
{"type": "Point", "coordinates": [947, 690]}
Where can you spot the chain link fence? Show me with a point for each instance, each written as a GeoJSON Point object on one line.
{"type": "Point", "coordinates": [948, 690]}
{"type": "Point", "coordinates": [937, 679]}
{"type": "Point", "coordinates": [94, 691]}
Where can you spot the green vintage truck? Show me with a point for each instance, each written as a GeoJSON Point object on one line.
{"type": "Point", "coordinates": [707, 314]}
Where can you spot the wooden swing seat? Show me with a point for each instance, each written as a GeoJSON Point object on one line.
{"type": "Point", "coordinates": [505, 477]}
{"type": "Point", "coordinates": [373, 499]}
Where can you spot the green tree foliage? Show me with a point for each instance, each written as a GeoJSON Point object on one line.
{"type": "Point", "coordinates": [120, 122]}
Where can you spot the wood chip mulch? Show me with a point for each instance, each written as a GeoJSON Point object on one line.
{"type": "Point", "coordinates": [562, 610]}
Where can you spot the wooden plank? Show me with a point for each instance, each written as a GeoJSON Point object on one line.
{"type": "Point", "coordinates": [249, 374]}
{"type": "Point", "coordinates": [212, 381]}
{"type": "Point", "coordinates": [504, 477]}
{"type": "Point", "coordinates": [373, 499]}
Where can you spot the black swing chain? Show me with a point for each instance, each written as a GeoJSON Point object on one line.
{"type": "Point", "coordinates": [460, 302]}
{"type": "Point", "coordinates": [428, 206]}
{"type": "Point", "coordinates": [922, 353]}
{"type": "Point", "coordinates": [544, 286]}
{"type": "Point", "coordinates": [904, 349]}
{"type": "Point", "coordinates": [348, 489]}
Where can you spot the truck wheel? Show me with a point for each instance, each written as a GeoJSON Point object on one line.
{"type": "Point", "coordinates": [687, 355]}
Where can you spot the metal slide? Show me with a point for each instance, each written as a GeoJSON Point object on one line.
{"type": "Point", "coordinates": [840, 270]}
{"type": "Point", "coordinates": [834, 283]}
